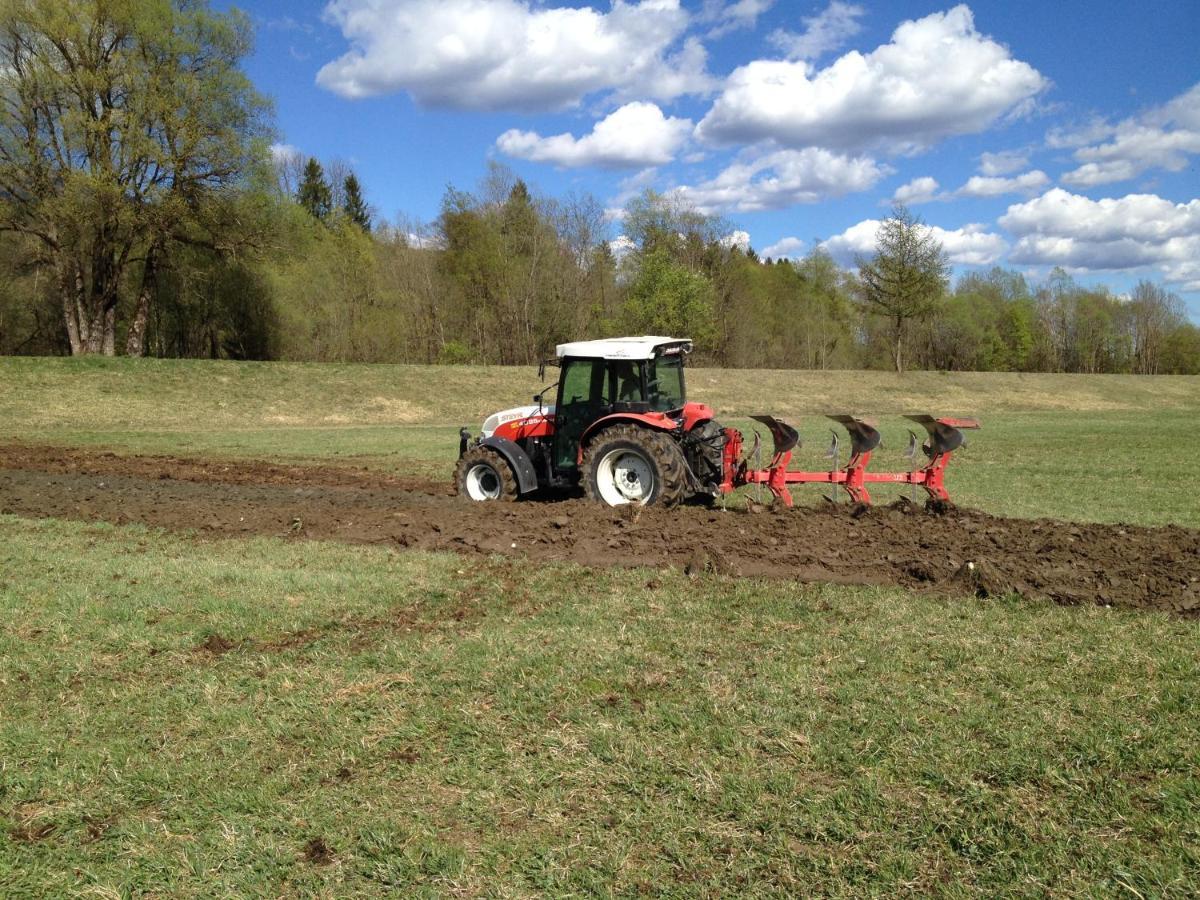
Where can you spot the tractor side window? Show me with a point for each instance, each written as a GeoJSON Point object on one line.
{"type": "Point", "coordinates": [666, 383]}
{"type": "Point", "coordinates": [627, 376]}
{"type": "Point", "coordinates": [578, 381]}
{"type": "Point", "coordinates": [583, 389]}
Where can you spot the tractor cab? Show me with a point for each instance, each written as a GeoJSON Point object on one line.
{"type": "Point", "coordinates": [638, 375]}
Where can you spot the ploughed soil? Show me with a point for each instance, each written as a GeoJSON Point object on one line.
{"type": "Point", "coordinates": [952, 551]}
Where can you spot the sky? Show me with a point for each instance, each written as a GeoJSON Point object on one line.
{"type": "Point", "coordinates": [1028, 134]}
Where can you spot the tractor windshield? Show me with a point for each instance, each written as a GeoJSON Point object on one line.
{"type": "Point", "coordinates": [665, 383]}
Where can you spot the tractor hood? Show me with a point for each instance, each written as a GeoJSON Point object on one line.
{"type": "Point", "coordinates": [495, 420]}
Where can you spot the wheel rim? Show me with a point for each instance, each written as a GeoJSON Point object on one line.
{"type": "Point", "coordinates": [625, 476]}
{"type": "Point", "coordinates": [483, 482]}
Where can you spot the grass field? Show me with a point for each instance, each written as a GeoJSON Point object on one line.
{"type": "Point", "coordinates": [1106, 448]}
{"type": "Point", "coordinates": [190, 717]}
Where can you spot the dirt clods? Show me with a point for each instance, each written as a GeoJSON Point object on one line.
{"type": "Point", "coordinates": [937, 547]}
{"type": "Point", "coordinates": [319, 853]}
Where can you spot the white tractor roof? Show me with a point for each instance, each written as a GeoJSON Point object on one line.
{"type": "Point", "coordinates": [637, 348]}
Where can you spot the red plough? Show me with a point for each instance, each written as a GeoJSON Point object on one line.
{"type": "Point", "coordinates": [944, 437]}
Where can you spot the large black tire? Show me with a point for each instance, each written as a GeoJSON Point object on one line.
{"type": "Point", "coordinates": [620, 459]}
{"type": "Point", "coordinates": [483, 474]}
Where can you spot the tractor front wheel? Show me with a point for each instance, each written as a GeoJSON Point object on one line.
{"type": "Point", "coordinates": [484, 474]}
{"type": "Point", "coordinates": [628, 464]}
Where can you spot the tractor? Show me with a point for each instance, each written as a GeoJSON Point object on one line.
{"type": "Point", "coordinates": [621, 427]}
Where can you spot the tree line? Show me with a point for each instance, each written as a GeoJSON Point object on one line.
{"type": "Point", "coordinates": [141, 212]}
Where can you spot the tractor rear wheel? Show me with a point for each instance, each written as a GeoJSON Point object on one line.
{"type": "Point", "coordinates": [483, 474]}
{"type": "Point", "coordinates": [629, 464]}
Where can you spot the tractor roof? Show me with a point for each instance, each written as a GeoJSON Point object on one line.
{"type": "Point", "coordinates": [645, 347]}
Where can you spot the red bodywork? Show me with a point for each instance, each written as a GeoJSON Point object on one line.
{"type": "Point", "coordinates": [535, 426]}
{"type": "Point", "coordinates": [854, 477]}
{"type": "Point", "coordinates": [693, 414]}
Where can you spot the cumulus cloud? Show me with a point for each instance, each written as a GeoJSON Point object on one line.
{"type": "Point", "coordinates": [785, 248]}
{"type": "Point", "coordinates": [621, 246]}
{"type": "Point", "coordinates": [283, 153]}
{"type": "Point", "coordinates": [636, 135]}
{"type": "Point", "coordinates": [732, 16]}
{"type": "Point", "coordinates": [971, 245]}
{"type": "Point", "coordinates": [919, 190]}
{"type": "Point", "coordinates": [1003, 163]}
{"type": "Point", "coordinates": [1160, 138]}
{"type": "Point", "coordinates": [823, 33]}
{"type": "Point", "coordinates": [784, 178]}
{"type": "Point", "coordinates": [995, 186]}
{"type": "Point", "coordinates": [926, 190]}
{"type": "Point", "coordinates": [739, 239]}
{"type": "Point", "coordinates": [1135, 231]}
{"type": "Point", "coordinates": [936, 78]}
{"type": "Point", "coordinates": [511, 54]}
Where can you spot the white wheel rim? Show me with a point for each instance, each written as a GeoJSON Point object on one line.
{"type": "Point", "coordinates": [483, 483]}
{"type": "Point", "coordinates": [625, 476]}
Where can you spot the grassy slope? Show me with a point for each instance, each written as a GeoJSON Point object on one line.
{"type": "Point", "coordinates": [562, 731]}
{"type": "Point", "coordinates": [1104, 448]}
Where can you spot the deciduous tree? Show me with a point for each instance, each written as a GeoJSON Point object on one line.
{"type": "Point", "coordinates": [905, 278]}
{"type": "Point", "coordinates": [122, 122]}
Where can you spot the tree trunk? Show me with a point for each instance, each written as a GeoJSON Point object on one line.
{"type": "Point", "coordinates": [898, 346]}
{"type": "Point", "coordinates": [135, 341]}
{"type": "Point", "coordinates": [109, 347]}
{"type": "Point", "coordinates": [70, 315]}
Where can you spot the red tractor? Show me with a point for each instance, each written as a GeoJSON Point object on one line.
{"type": "Point", "coordinates": [621, 428]}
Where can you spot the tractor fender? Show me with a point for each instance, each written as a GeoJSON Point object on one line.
{"type": "Point", "coordinates": [522, 466]}
{"type": "Point", "coordinates": [656, 420]}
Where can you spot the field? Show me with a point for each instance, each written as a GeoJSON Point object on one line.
{"type": "Point", "coordinates": [225, 676]}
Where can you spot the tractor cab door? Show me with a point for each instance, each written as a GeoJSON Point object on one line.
{"type": "Point", "coordinates": [583, 397]}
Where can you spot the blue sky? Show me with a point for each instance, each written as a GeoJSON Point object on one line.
{"type": "Point", "coordinates": [1030, 133]}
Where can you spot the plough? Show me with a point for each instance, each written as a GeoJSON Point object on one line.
{"type": "Point", "coordinates": [944, 437]}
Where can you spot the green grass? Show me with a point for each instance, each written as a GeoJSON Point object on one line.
{"type": "Point", "coordinates": [446, 727]}
{"type": "Point", "coordinates": [188, 718]}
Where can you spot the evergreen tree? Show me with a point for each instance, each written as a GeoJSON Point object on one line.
{"type": "Point", "coordinates": [314, 193]}
{"type": "Point", "coordinates": [354, 205]}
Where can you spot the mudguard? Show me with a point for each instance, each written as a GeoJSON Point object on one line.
{"type": "Point", "coordinates": [522, 466]}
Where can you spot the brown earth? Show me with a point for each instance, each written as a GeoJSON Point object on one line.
{"type": "Point", "coordinates": [954, 551]}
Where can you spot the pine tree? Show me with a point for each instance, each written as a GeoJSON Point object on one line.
{"type": "Point", "coordinates": [314, 193]}
{"type": "Point", "coordinates": [354, 205]}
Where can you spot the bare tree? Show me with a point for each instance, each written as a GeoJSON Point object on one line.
{"type": "Point", "coordinates": [1154, 313]}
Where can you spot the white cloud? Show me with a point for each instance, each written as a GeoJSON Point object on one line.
{"type": "Point", "coordinates": [739, 239]}
{"type": "Point", "coordinates": [823, 33]}
{"type": "Point", "coordinates": [993, 186]}
{"type": "Point", "coordinates": [637, 134]}
{"type": "Point", "coordinates": [621, 246]}
{"type": "Point", "coordinates": [282, 153]}
{"type": "Point", "coordinates": [925, 190]}
{"type": "Point", "coordinates": [784, 178]}
{"type": "Point", "coordinates": [938, 77]}
{"type": "Point", "coordinates": [733, 16]}
{"type": "Point", "coordinates": [785, 248]}
{"type": "Point", "coordinates": [1160, 138]}
{"type": "Point", "coordinates": [971, 245]}
{"type": "Point", "coordinates": [1003, 163]}
{"type": "Point", "coordinates": [919, 190]}
{"type": "Point", "coordinates": [511, 54]}
{"type": "Point", "coordinates": [1138, 230]}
